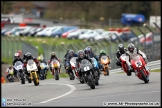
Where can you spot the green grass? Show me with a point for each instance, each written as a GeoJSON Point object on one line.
{"type": "Point", "coordinates": [157, 70]}
{"type": "Point", "coordinates": [7, 60]}
{"type": "Point", "coordinates": [62, 75]}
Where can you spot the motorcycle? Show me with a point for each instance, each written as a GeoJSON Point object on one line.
{"type": "Point", "coordinates": [32, 69]}
{"type": "Point", "coordinates": [73, 68]}
{"type": "Point", "coordinates": [55, 65]}
{"type": "Point", "coordinates": [123, 58]}
{"type": "Point", "coordinates": [138, 65]}
{"type": "Point", "coordinates": [11, 77]}
{"type": "Point", "coordinates": [43, 71]}
{"type": "Point", "coordinates": [19, 68]}
{"type": "Point", "coordinates": [105, 61]}
{"type": "Point", "coordinates": [86, 70]}
{"type": "Point", "coordinates": [96, 73]}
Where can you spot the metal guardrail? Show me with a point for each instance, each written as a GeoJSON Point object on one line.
{"type": "Point", "coordinates": [152, 65]}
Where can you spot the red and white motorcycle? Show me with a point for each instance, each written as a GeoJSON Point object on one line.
{"type": "Point", "coordinates": [123, 58]}
{"type": "Point", "coordinates": [139, 65]}
{"type": "Point", "coordinates": [73, 68]}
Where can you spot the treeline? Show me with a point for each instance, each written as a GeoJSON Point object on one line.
{"type": "Point", "coordinates": [93, 10]}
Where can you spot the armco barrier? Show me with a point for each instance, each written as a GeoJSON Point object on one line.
{"type": "Point", "coordinates": [152, 65]}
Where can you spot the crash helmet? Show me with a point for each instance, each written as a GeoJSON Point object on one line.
{"type": "Point", "coordinates": [121, 48]}
{"type": "Point", "coordinates": [102, 51]}
{"type": "Point", "coordinates": [131, 47]}
{"type": "Point", "coordinates": [16, 55]}
{"type": "Point", "coordinates": [81, 54]}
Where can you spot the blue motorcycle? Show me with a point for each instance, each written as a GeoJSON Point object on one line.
{"type": "Point", "coordinates": [96, 71]}
{"type": "Point", "coordinates": [43, 71]}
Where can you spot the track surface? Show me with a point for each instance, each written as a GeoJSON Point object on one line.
{"type": "Point", "coordinates": [66, 92]}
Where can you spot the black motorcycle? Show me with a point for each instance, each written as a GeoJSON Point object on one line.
{"type": "Point", "coordinates": [19, 70]}
{"type": "Point", "coordinates": [86, 69]}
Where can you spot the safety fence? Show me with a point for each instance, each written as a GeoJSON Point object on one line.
{"type": "Point", "coordinates": [9, 46]}
{"type": "Point", "coordinates": [152, 50]}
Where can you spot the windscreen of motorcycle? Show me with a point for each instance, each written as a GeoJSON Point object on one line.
{"type": "Point", "coordinates": [30, 62]}
{"type": "Point", "coordinates": [85, 65]}
{"type": "Point", "coordinates": [18, 65]}
{"type": "Point", "coordinates": [104, 59]}
{"type": "Point", "coordinates": [73, 61]}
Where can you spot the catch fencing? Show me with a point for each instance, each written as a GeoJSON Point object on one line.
{"type": "Point", "coordinates": [109, 46]}
{"type": "Point", "coordinates": [9, 46]}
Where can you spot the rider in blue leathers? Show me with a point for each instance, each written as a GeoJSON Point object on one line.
{"type": "Point", "coordinates": [71, 54]}
{"type": "Point", "coordinates": [88, 51]}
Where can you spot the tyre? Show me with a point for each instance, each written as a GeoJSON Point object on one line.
{"type": "Point", "coordinates": [96, 81]}
{"type": "Point", "coordinates": [34, 79]}
{"type": "Point", "coordinates": [22, 78]}
{"type": "Point", "coordinates": [29, 79]}
{"type": "Point", "coordinates": [81, 80]}
{"type": "Point", "coordinates": [90, 81]}
{"type": "Point", "coordinates": [144, 76]}
{"type": "Point", "coordinates": [107, 71]}
{"type": "Point", "coordinates": [56, 74]}
{"type": "Point", "coordinates": [71, 75]}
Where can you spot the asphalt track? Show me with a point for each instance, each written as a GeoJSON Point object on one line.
{"type": "Point", "coordinates": [114, 88]}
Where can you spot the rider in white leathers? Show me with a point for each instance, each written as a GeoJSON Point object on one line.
{"type": "Point", "coordinates": [132, 52]}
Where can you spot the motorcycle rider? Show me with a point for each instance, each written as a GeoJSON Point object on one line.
{"type": "Point", "coordinates": [69, 56]}
{"type": "Point", "coordinates": [16, 58]}
{"type": "Point", "coordinates": [103, 53]}
{"type": "Point", "coordinates": [24, 56]}
{"type": "Point", "coordinates": [121, 50]}
{"type": "Point", "coordinates": [132, 52]}
{"type": "Point", "coordinates": [88, 51]}
{"type": "Point", "coordinates": [53, 56]}
{"type": "Point", "coordinates": [7, 71]}
{"type": "Point", "coordinates": [65, 58]}
{"type": "Point", "coordinates": [27, 57]}
{"type": "Point", "coordinates": [41, 60]}
{"type": "Point", "coordinates": [81, 56]}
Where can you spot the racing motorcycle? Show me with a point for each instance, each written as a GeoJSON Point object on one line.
{"type": "Point", "coordinates": [96, 73]}
{"type": "Point", "coordinates": [19, 68]}
{"type": "Point", "coordinates": [138, 65]}
{"type": "Point", "coordinates": [105, 62]}
{"type": "Point", "coordinates": [11, 77]}
{"type": "Point", "coordinates": [86, 69]}
{"type": "Point", "coordinates": [123, 58]}
{"type": "Point", "coordinates": [73, 69]}
{"type": "Point", "coordinates": [32, 69]}
{"type": "Point", "coordinates": [43, 71]}
{"type": "Point", "coordinates": [55, 65]}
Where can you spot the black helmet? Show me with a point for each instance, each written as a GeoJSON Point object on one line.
{"type": "Point", "coordinates": [89, 47]}
{"type": "Point", "coordinates": [53, 54]}
{"type": "Point", "coordinates": [71, 53]}
{"type": "Point", "coordinates": [28, 55]}
{"type": "Point", "coordinates": [121, 48]}
{"type": "Point", "coordinates": [87, 50]}
{"type": "Point", "coordinates": [81, 54]}
{"type": "Point", "coordinates": [131, 47]}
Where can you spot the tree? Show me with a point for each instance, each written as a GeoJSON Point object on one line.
{"type": "Point", "coordinates": [6, 7]}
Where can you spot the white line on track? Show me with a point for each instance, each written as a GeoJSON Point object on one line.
{"type": "Point", "coordinates": [107, 95]}
{"type": "Point", "coordinates": [72, 89]}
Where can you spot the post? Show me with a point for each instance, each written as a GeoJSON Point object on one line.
{"type": "Point", "coordinates": [145, 39]}
{"type": "Point", "coordinates": [109, 22]}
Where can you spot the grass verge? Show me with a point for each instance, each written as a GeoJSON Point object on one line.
{"type": "Point", "coordinates": [62, 75]}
